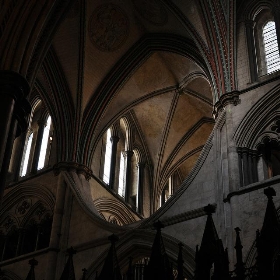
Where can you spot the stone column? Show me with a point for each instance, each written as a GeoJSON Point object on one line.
{"type": "Point", "coordinates": [250, 167]}
{"type": "Point", "coordinates": [7, 156]}
{"type": "Point", "coordinates": [141, 167]}
{"type": "Point", "coordinates": [14, 110]}
{"type": "Point", "coordinates": [239, 151]}
{"type": "Point", "coordinates": [56, 229]}
{"type": "Point", "coordinates": [128, 156]}
{"type": "Point", "coordinates": [249, 24]}
{"type": "Point", "coordinates": [13, 88]}
{"type": "Point", "coordinates": [255, 167]}
{"type": "Point", "coordinates": [245, 167]}
{"type": "Point", "coordinates": [114, 140]}
{"type": "Point", "coordinates": [36, 155]}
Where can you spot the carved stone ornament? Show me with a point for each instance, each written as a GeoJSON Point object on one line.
{"type": "Point", "coordinates": [23, 207]}
{"type": "Point", "coordinates": [108, 27]}
{"type": "Point", "coordinates": [226, 99]}
{"type": "Point", "coordinates": [152, 11]}
{"type": "Point", "coordinates": [73, 166]}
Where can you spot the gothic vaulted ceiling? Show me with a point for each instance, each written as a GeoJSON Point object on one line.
{"type": "Point", "coordinates": [151, 59]}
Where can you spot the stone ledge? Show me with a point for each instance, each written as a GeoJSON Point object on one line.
{"type": "Point", "coordinates": [253, 187]}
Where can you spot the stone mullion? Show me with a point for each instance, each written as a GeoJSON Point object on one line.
{"type": "Point", "coordinates": [255, 167]}
{"type": "Point", "coordinates": [18, 156]}
{"type": "Point", "coordinates": [114, 140]}
{"type": "Point", "coordinates": [4, 248]}
{"type": "Point", "coordinates": [20, 241]}
{"type": "Point", "coordinates": [7, 156]}
{"type": "Point", "coordinates": [250, 167]}
{"type": "Point", "coordinates": [245, 167]}
{"type": "Point", "coordinates": [38, 145]}
{"type": "Point", "coordinates": [140, 186]}
{"type": "Point", "coordinates": [249, 24]}
{"type": "Point", "coordinates": [241, 176]}
{"type": "Point", "coordinates": [39, 230]}
{"type": "Point", "coordinates": [128, 171]}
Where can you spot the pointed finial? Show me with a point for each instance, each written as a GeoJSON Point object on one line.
{"type": "Point", "coordinates": [269, 192]}
{"type": "Point", "coordinates": [210, 209]}
{"type": "Point", "coordinates": [158, 225]}
{"type": "Point", "coordinates": [33, 262]}
{"type": "Point", "coordinates": [113, 238]}
{"type": "Point", "coordinates": [237, 230]}
{"type": "Point", "coordinates": [71, 251]}
{"type": "Point", "coordinates": [84, 270]}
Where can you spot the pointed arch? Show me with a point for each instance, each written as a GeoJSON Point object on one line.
{"type": "Point", "coordinates": [126, 66]}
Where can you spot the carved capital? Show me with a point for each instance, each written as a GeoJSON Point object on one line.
{"type": "Point", "coordinates": [13, 84]}
{"type": "Point", "coordinates": [73, 166]}
{"type": "Point", "coordinates": [21, 112]}
{"type": "Point", "coordinates": [249, 23]}
{"type": "Point", "coordinates": [226, 99]}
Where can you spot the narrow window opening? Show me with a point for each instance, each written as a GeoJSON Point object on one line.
{"type": "Point", "coordinates": [271, 47]}
{"type": "Point", "coordinates": [108, 156]}
{"type": "Point", "coordinates": [44, 145]}
{"type": "Point", "coordinates": [26, 155]}
{"type": "Point", "coordinates": [121, 190]}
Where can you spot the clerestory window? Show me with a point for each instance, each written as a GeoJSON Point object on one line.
{"type": "Point", "coordinates": [121, 188]}
{"type": "Point", "coordinates": [108, 156]}
{"type": "Point", "coordinates": [44, 144]}
{"type": "Point", "coordinates": [33, 151]}
{"type": "Point", "coordinates": [26, 156]}
{"type": "Point", "coordinates": [271, 49]}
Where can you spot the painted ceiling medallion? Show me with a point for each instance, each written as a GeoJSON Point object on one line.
{"type": "Point", "coordinates": [151, 10]}
{"type": "Point", "coordinates": [108, 27]}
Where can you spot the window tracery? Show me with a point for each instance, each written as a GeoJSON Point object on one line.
{"type": "Point", "coordinates": [25, 229]}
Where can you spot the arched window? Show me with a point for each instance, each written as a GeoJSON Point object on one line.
{"type": "Point", "coordinates": [26, 155]}
{"type": "Point", "coordinates": [108, 156]}
{"type": "Point", "coordinates": [271, 50]}
{"type": "Point", "coordinates": [262, 43]}
{"type": "Point", "coordinates": [121, 188]}
{"type": "Point", "coordinates": [33, 152]}
{"type": "Point", "coordinates": [44, 144]}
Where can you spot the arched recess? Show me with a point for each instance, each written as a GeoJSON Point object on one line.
{"type": "Point", "coordinates": [124, 69]}
{"type": "Point", "coordinates": [257, 119]}
{"type": "Point", "coordinates": [257, 140]}
{"type": "Point", "coordinates": [116, 208]}
{"type": "Point", "coordinates": [22, 191]}
{"type": "Point", "coordinates": [8, 275]}
{"type": "Point", "coordinates": [137, 244]}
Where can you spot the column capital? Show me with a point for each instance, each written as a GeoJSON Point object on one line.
{"type": "Point", "coordinates": [73, 166]}
{"type": "Point", "coordinates": [115, 139]}
{"type": "Point", "coordinates": [128, 154]}
{"type": "Point", "coordinates": [249, 23]}
{"type": "Point", "coordinates": [22, 112]}
{"type": "Point", "coordinates": [225, 100]}
{"type": "Point", "coordinates": [13, 84]}
{"type": "Point", "coordinates": [141, 164]}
